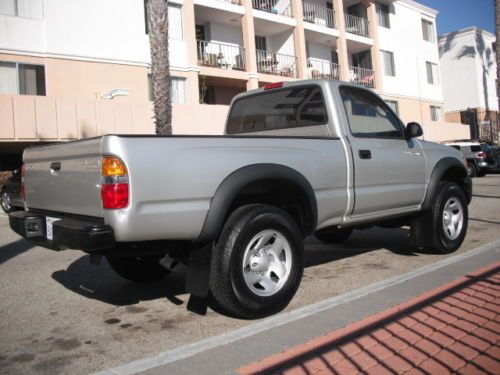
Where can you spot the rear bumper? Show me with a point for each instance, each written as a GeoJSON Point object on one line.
{"type": "Point", "coordinates": [67, 233]}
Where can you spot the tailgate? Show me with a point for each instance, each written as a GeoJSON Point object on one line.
{"type": "Point", "coordinates": [65, 177]}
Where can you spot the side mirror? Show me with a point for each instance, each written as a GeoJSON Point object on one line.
{"type": "Point", "coordinates": [413, 130]}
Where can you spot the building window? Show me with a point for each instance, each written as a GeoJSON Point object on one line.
{"type": "Point", "coordinates": [177, 89]}
{"type": "Point", "coordinates": [388, 61]}
{"type": "Point", "coordinates": [22, 8]}
{"type": "Point", "coordinates": [432, 73]}
{"type": "Point", "coordinates": [260, 43]}
{"type": "Point", "coordinates": [174, 21]}
{"type": "Point", "coordinates": [428, 31]}
{"type": "Point", "coordinates": [436, 113]}
{"type": "Point", "coordinates": [22, 79]}
{"type": "Point", "coordinates": [393, 105]}
{"type": "Point", "coordinates": [383, 15]}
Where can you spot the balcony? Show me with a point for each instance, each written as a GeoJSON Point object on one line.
{"type": "Point", "coordinates": [282, 7]}
{"type": "Point", "coordinates": [276, 63]}
{"type": "Point", "coordinates": [221, 55]}
{"type": "Point", "coordinates": [318, 14]}
{"type": "Point", "coordinates": [321, 69]}
{"type": "Point", "coordinates": [362, 76]}
{"type": "Point", "coordinates": [234, 2]}
{"type": "Point", "coordinates": [356, 25]}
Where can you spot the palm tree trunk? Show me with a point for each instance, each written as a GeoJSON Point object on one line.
{"type": "Point", "coordinates": [160, 65]}
{"type": "Point", "coordinates": [497, 30]}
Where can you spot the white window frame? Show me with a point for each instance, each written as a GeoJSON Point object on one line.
{"type": "Point", "coordinates": [174, 99]}
{"type": "Point", "coordinates": [391, 72]}
{"type": "Point", "coordinates": [394, 105]}
{"type": "Point", "coordinates": [436, 113]}
{"type": "Point", "coordinates": [16, 10]}
{"type": "Point", "coordinates": [433, 79]}
{"type": "Point", "coordinates": [18, 80]}
{"type": "Point", "coordinates": [429, 27]}
{"type": "Point", "coordinates": [382, 16]}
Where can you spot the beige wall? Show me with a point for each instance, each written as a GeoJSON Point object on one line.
{"type": "Point", "coordinates": [39, 118]}
{"type": "Point", "coordinates": [89, 80]}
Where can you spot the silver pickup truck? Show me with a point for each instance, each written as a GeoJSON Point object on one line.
{"type": "Point", "coordinates": [302, 158]}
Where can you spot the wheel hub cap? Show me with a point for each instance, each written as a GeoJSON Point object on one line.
{"type": "Point", "coordinates": [453, 218]}
{"type": "Point", "coordinates": [267, 263]}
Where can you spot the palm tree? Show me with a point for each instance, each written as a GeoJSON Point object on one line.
{"type": "Point", "coordinates": [157, 11]}
{"type": "Point", "coordinates": [497, 29]}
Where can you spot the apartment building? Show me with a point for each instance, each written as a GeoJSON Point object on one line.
{"type": "Point", "coordinates": [72, 69]}
{"type": "Point", "coordinates": [469, 71]}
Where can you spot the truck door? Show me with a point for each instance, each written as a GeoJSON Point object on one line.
{"type": "Point", "coordinates": [389, 171]}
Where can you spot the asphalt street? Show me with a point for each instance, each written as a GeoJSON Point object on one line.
{"type": "Point", "coordinates": [60, 314]}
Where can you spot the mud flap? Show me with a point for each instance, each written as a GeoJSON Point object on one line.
{"type": "Point", "coordinates": [421, 228]}
{"type": "Point", "coordinates": [198, 279]}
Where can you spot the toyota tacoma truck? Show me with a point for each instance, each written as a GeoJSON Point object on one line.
{"type": "Point", "coordinates": [297, 158]}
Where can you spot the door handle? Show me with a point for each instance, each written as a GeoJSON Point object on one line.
{"type": "Point", "coordinates": [55, 166]}
{"type": "Point", "coordinates": [365, 154]}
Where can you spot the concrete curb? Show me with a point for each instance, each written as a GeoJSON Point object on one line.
{"type": "Point", "coordinates": [284, 318]}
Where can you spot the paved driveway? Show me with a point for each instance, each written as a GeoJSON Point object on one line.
{"type": "Point", "coordinates": [59, 314]}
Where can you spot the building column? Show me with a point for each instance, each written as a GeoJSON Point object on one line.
{"type": "Point", "coordinates": [299, 39]}
{"type": "Point", "coordinates": [341, 41]}
{"type": "Point", "coordinates": [193, 95]}
{"type": "Point", "coordinates": [249, 44]}
{"type": "Point", "coordinates": [375, 50]}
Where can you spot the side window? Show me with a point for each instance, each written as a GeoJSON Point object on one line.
{"type": "Point", "coordinates": [297, 106]}
{"type": "Point", "coordinates": [456, 147]}
{"type": "Point", "coordinates": [368, 115]}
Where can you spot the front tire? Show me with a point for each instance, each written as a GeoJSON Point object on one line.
{"type": "Point", "coordinates": [257, 263]}
{"type": "Point", "coordinates": [139, 269]}
{"type": "Point", "coordinates": [6, 202]}
{"type": "Point", "coordinates": [443, 228]}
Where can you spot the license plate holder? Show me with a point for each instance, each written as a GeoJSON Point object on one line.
{"type": "Point", "coordinates": [49, 225]}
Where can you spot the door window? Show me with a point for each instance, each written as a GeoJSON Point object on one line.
{"type": "Point", "coordinates": [368, 115]}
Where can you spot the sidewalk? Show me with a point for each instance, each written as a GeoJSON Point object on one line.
{"type": "Point", "coordinates": [452, 329]}
{"type": "Point", "coordinates": [437, 319]}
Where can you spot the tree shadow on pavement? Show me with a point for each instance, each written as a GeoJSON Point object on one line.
{"type": "Point", "coordinates": [362, 241]}
{"type": "Point", "coordinates": [101, 283]}
{"type": "Point", "coordinates": [14, 249]}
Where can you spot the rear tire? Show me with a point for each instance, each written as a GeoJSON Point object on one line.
{"type": "Point", "coordinates": [481, 173]}
{"type": "Point", "coordinates": [146, 269]}
{"type": "Point", "coordinates": [257, 263]}
{"type": "Point", "coordinates": [333, 235]}
{"type": "Point", "coordinates": [442, 229]}
{"type": "Point", "coordinates": [472, 169]}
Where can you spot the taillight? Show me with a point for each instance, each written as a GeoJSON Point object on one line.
{"type": "Point", "coordinates": [23, 189]}
{"type": "Point", "coordinates": [481, 154]}
{"type": "Point", "coordinates": [275, 85]}
{"type": "Point", "coordinates": [114, 186]}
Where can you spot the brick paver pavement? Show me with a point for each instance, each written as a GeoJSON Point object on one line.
{"type": "Point", "coordinates": [452, 329]}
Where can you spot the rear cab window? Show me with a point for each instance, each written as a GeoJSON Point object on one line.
{"type": "Point", "coordinates": [286, 108]}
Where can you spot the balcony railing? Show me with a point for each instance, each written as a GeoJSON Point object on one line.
{"type": "Point", "coordinates": [362, 76]}
{"type": "Point", "coordinates": [283, 7]}
{"type": "Point", "coordinates": [320, 69]}
{"type": "Point", "coordinates": [235, 2]}
{"type": "Point", "coordinates": [221, 55]}
{"type": "Point", "coordinates": [318, 14]}
{"type": "Point", "coordinates": [356, 25]}
{"type": "Point", "coordinates": [276, 63]}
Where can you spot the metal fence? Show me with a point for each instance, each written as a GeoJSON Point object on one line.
{"type": "Point", "coordinates": [356, 25]}
{"type": "Point", "coordinates": [320, 69]}
{"type": "Point", "coordinates": [283, 7]}
{"type": "Point", "coordinates": [361, 76]}
{"type": "Point", "coordinates": [490, 130]}
{"type": "Point", "coordinates": [276, 63]}
{"type": "Point", "coordinates": [221, 55]}
{"type": "Point", "coordinates": [318, 14]}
